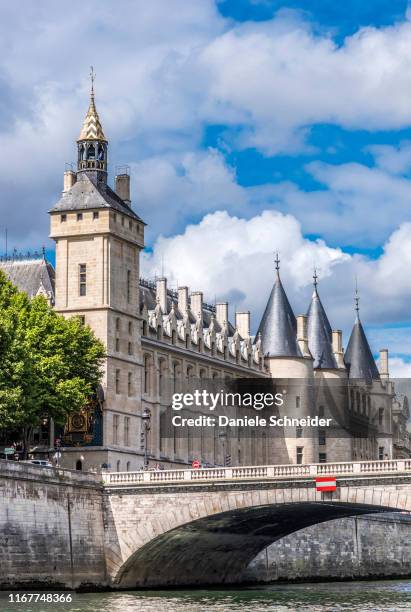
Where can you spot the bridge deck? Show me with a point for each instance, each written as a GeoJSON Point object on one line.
{"type": "Point", "coordinates": [357, 469]}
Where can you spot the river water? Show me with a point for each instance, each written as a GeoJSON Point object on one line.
{"type": "Point", "coordinates": [393, 595]}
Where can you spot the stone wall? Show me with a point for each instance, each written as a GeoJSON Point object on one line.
{"type": "Point", "coordinates": [369, 546]}
{"type": "Point", "coordinates": [51, 528]}
{"type": "Point", "coordinates": [56, 531]}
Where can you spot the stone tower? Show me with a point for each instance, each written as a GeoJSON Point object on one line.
{"type": "Point", "coordinates": [98, 241]}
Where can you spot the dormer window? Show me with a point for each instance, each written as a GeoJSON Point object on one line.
{"type": "Point", "coordinates": [63, 218]}
{"type": "Point", "coordinates": [79, 216]}
{"type": "Point", "coordinates": [95, 215]}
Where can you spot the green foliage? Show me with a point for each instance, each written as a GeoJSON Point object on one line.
{"type": "Point", "coordinates": [49, 365]}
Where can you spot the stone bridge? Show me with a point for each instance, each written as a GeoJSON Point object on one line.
{"type": "Point", "coordinates": [193, 527]}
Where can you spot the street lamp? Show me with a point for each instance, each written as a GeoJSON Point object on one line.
{"type": "Point", "coordinates": [146, 417]}
{"type": "Point", "coordinates": [223, 437]}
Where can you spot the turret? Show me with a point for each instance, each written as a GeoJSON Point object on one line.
{"type": "Point", "coordinates": [319, 332]}
{"type": "Point", "coordinates": [358, 356]}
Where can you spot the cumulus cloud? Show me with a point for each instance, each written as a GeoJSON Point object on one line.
{"type": "Point", "coordinates": [232, 258]}
{"type": "Point", "coordinates": [164, 75]}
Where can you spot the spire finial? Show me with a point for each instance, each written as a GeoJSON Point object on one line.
{"type": "Point", "coordinates": [315, 278]}
{"type": "Point", "coordinates": [277, 263]}
{"type": "Point", "coordinates": [357, 298]}
{"type": "Point", "coordinates": [92, 78]}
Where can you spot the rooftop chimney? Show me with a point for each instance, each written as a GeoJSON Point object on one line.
{"type": "Point", "coordinates": [302, 335]}
{"type": "Point", "coordinates": [337, 347]}
{"type": "Point", "coordinates": [122, 186]}
{"type": "Point", "coordinates": [384, 371]}
{"type": "Point", "coordinates": [221, 311]}
{"type": "Point", "coordinates": [161, 293]}
{"type": "Point", "coordinates": [182, 299]}
{"type": "Point", "coordinates": [242, 323]}
{"type": "Point", "coordinates": [70, 178]}
{"type": "Point", "coordinates": [197, 303]}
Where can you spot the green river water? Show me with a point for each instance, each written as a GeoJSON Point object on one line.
{"type": "Point", "coordinates": [390, 595]}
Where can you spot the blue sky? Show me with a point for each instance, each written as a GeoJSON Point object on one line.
{"type": "Point", "coordinates": [249, 127]}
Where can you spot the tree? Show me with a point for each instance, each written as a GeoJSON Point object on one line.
{"type": "Point", "coordinates": [49, 366]}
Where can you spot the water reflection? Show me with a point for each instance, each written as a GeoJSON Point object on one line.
{"type": "Point", "coordinates": [323, 597]}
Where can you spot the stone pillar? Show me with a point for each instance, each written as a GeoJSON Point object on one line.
{"type": "Point", "coordinates": [161, 293]}
{"type": "Point", "coordinates": [242, 323]}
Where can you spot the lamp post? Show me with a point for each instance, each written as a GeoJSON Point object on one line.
{"type": "Point", "coordinates": [146, 417]}
{"type": "Point", "coordinates": [223, 437]}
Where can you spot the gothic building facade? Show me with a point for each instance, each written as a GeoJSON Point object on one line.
{"type": "Point", "coordinates": [161, 340]}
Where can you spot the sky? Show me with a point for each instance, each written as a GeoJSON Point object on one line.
{"type": "Point", "coordinates": [249, 126]}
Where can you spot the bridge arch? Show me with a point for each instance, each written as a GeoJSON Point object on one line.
{"type": "Point", "coordinates": [207, 534]}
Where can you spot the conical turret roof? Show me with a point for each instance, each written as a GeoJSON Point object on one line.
{"type": "Point", "coordinates": [358, 357]}
{"type": "Point", "coordinates": [278, 325]}
{"type": "Point", "coordinates": [92, 128]}
{"type": "Point", "coordinates": [319, 333]}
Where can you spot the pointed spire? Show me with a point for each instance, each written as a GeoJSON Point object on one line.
{"type": "Point", "coordinates": [357, 300]}
{"type": "Point", "coordinates": [358, 357]}
{"type": "Point", "coordinates": [278, 327]}
{"type": "Point", "coordinates": [92, 129]}
{"type": "Point", "coordinates": [315, 281]}
{"type": "Point", "coordinates": [319, 332]}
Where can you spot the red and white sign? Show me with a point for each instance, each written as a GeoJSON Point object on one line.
{"type": "Point", "coordinates": [196, 464]}
{"type": "Point", "coordinates": [325, 483]}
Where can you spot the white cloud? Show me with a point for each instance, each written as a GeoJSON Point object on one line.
{"type": "Point", "coordinates": [231, 258]}
{"type": "Point", "coordinates": [399, 368]}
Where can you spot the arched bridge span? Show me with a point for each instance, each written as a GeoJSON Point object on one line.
{"type": "Point", "coordinates": [193, 527]}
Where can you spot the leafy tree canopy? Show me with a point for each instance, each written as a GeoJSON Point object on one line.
{"type": "Point", "coordinates": [49, 365]}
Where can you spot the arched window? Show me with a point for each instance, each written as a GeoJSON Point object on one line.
{"type": "Point", "coordinates": [79, 465]}
{"type": "Point", "coordinates": [128, 466]}
{"type": "Point", "coordinates": [101, 152]}
{"type": "Point", "coordinates": [118, 465]}
{"type": "Point", "coordinates": [91, 152]}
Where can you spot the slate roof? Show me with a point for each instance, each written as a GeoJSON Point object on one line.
{"type": "Point", "coordinates": [148, 297]}
{"type": "Point", "coordinates": [30, 275]}
{"type": "Point", "coordinates": [278, 325]}
{"type": "Point", "coordinates": [87, 194]}
{"type": "Point", "coordinates": [319, 334]}
{"type": "Point", "coordinates": [358, 357]}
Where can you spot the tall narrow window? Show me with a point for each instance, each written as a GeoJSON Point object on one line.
{"type": "Point", "coordinates": [321, 437]}
{"type": "Point", "coordinates": [117, 323]}
{"type": "Point", "coordinates": [130, 348]}
{"type": "Point", "coordinates": [146, 373]}
{"type": "Point", "coordinates": [300, 450]}
{"type": "Point", "coordinates": [127, 431]}
{"type": "Point", "coordinates": [297, 401]}
{"type": "Point", "coordinates": [117, 344]}
{"type": "Point", "coordinates": [117, 381]}
{"type": "Point", "coordinates": [130, 328]}
{"type": "Point", "coordinates": [116, 420]}
{"type": "Point", "coordinates": [128, 286]}
{"type": "Point", "coordinates": [82, 273]}
{"type": "Point", "coordinates": [129, 386]}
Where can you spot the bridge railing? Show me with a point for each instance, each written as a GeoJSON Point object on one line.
{"type": "Point", "coordinates": [259, 472]}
